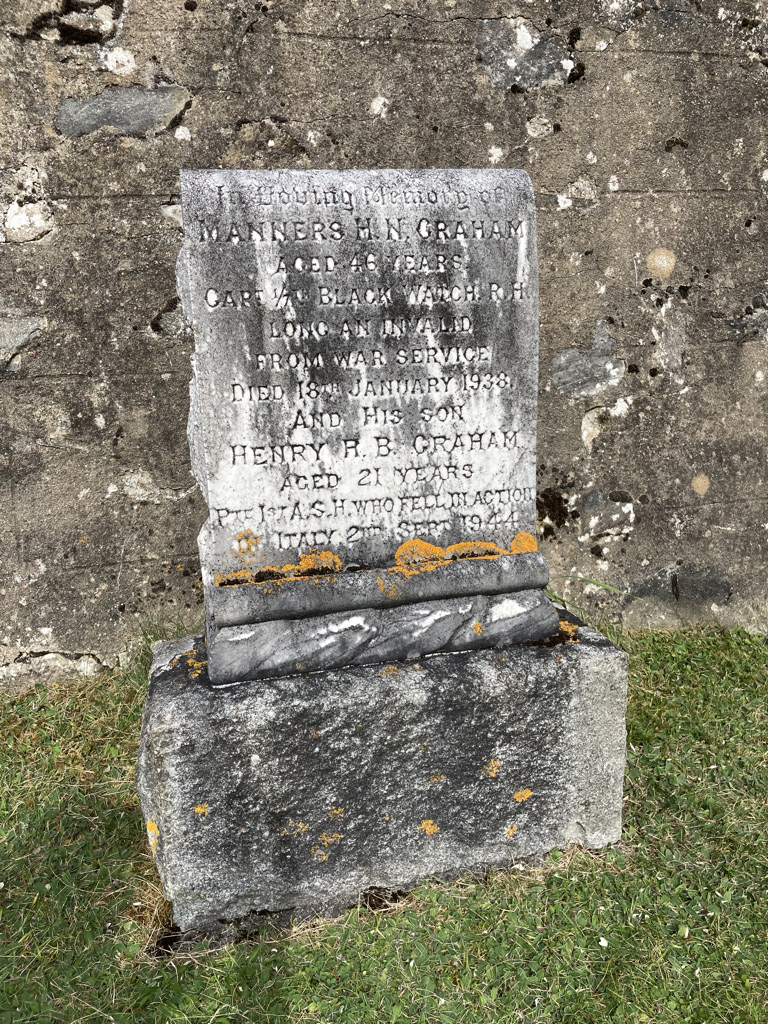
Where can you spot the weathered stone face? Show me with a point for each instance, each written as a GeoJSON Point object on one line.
{"type": "Point", "coordinates": [283, 798]}
{"type": "Point", "coordinates": [366, 362]}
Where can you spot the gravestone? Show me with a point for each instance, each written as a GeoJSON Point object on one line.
{"type": "Point", "coordinates": [363, 428]}
{"type": "Point", "coordinates": [363, 413]}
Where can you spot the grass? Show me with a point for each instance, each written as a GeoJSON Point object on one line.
{"type": "Point", "coordinates": [671, 926]}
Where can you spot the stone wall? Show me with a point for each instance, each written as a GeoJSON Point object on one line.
{"type": "Point", "coordinates": [643, 129]}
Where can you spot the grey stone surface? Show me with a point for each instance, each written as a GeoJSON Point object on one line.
{"type": "Point", "coordinates": [584, 375]}
{"type": "Point", "coordinates": [366, 636]}
{"type": "Point", "coordinates": [283, 798]}
{"type": "Point", "coordinates": [300, 596]}
{"type": "Point", "coordinates": [516, 55]}
{"type": "Point", "coordinates": [366, 360]}
{"type": "Point", "coordinates": [131, 110]}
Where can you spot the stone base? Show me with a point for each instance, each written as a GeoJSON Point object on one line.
{"type": "Point", "coordinates": [284, 798]}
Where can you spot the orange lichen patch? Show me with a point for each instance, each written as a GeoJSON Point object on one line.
{"type": "Point", "coordinates": [523, 542]}
{"type": "Point", "coordinates": [478, 628]}
{"type": "Point", "coordinates": [153, 835]}
{"type": "Point", "coordinates": [492, 768]}
{"type": "Point", "coordinates": [327, 840]}
{"type": "Point", "coordinates": [85, 538]}
{"type": "Point", "coordinates": [184, 654]}
{"type": "Point", "coordinates": [201, 810]}
{"type": "Point", "coordinates": [511, 829]}
{"type": "Point", "coordinates": [311, 564]}
{"type": "Point", "coordinates": [415, 551]}
{"type": "Point", "coordinates": [314, 562]}
{"type": "Point", "coordinates": [389, 670]}
{"type": "Point", "coordinates": [388, 589]}
{"type": "Point", "coordinates": [522, 795]}
{"type": "Point", "coordinates": [295, 828]}
{"type": "Point", "coordinates": [435, 780]}
{"type": "Point", "coordinates": [569, 630]}
{"type": "Point", "coordinates": [237, 576]}
{"type": "Point", "coordinates": [418, 556]}
{"type": "Point", "coordinates": [429, 827]}
{"type": "Point", "coordinates": [336, 812]}
{"type": "Point", "coordinates": [196, 666]}
{"type": "Point", "coordinates": [474, 549]}
{"type": "Point", "coordinates": [324, 840]}
{"type": "Point", "coordinates": [246, 544]}
{"type": "Point", "coordinates": [412, 557]}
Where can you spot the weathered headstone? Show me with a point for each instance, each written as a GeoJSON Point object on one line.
{"type": "Point", "coordinates": [363, 428]}
{"type": "Point", "coordinates": [363, 412]}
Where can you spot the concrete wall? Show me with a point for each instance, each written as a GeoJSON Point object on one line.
{"type": "Point", "coordinates": [643, 128]}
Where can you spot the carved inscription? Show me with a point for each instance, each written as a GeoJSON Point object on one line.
{"type": "Point", "coordinates": [366, 358]}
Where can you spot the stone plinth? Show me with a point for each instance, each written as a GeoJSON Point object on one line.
{"type": "Point", "coordinates": [292, 796]}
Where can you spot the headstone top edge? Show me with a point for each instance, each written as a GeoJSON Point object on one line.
{"type": "Point", "coordinates": [188, 177]}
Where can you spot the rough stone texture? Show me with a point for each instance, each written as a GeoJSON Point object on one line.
{"type": "Point", "coordinates": [20, 672]}
{"type": "Point", "coordinates": [367, 635]}
{"type": "Point", "coordinates": [291, 597]}
{"type": "Point", "coordinates": [130, 111]}
{"type": "Point", "coordinates": [282, 798]}
{"type": "Point", "coordinates": [655, 139]}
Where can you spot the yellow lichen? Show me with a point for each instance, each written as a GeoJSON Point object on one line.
{"type": "Point", "coordinates": [569, 629]}
{"type": "Point", "coordinates": [153, 835]}
{"type": "Point", "coordinates": [201, 810]}
{"type": "Point", "coordinates": [511, 829]}
{"type": "Point", "coordinates": [412, 557]}
{"type": "Point", "coordinates": [429, 827]}
{"type": "Point", "coordinates": [474, 549]}
{"type": "Point", "coordinates": [523, 542]}
{"type": "Point", "coordinates": [492, 768]}
{"type": "Point", "coordinates": [416, 551]}
{"type": "Point", "coordinates": [315, 561]}
{"type": "Point", "coordinates": [295, 828]}
{"type": "Point", "coordinates": [478, 628]}
{"type": "Point", "coordinates": [324, 840]}
{"type": "Point", "coordinates": [196, 666]}
{"type": "Point", "coordinates": [522, 795]}
{"type": "Point", "coordinates": [435, 780]}
{"type": "Point", "coordinates": [311, 567]}
{"type": "Point", "coordinates": [178, 657]}
{"type": "Point", "coordinates": [389, 590]}
{"type": "Point", "coordinates": [246, 544]}
{"type": "Point", "coordinates": [389, 670]}
{"type": "Point", "coordinates": [336, 812]}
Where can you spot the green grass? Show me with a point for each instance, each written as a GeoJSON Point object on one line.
{"type": "Point", "coordinates": [681, 903]}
